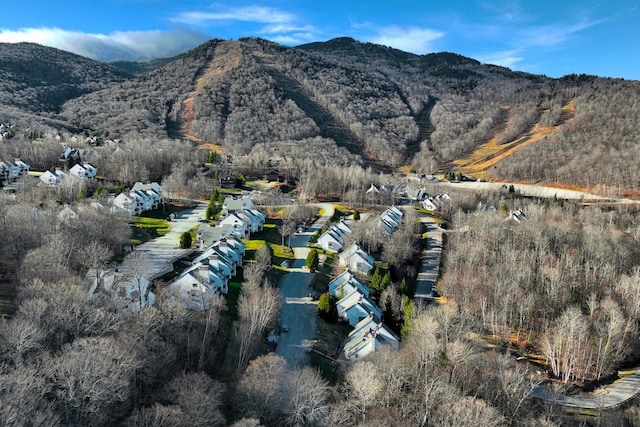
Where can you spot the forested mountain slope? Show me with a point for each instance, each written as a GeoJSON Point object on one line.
{"type": "Point", "coordinates": [342, 102]}
{"type": "Point", "coordinates": [39, 78]}
{"type": "Point", "coordinates": [342, 96]}
{"type": "Point", "coordinates": [35, 79]}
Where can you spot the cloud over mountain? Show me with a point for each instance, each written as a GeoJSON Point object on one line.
{"type": "Point", "coordinates": [131, 45]}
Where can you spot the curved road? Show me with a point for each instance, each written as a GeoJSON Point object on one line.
{"type": "Point", "coordinates": [608, 397]}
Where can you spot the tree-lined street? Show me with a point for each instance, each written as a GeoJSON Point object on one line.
{"type": "Point", "coordinates": [429, 261]}
{"type": "Point", "coordinates": [298, 311]}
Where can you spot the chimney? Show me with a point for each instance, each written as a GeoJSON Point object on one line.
{"type": "Point", "coordinates": [203, 272]}
{"type": "Point", "coordinates": [213, 258]}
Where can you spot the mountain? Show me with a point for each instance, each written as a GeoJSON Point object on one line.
{"type": "Point", "coordinates": [369, 100]}
{"type": "Point", "coordinates": [141, 67]}
{"type": "Point", "coordinates": [35, 81]}
{"type": "Point", "coordinates": [344, 102]}
{"type": "Point", "coordinates": [36, 78]}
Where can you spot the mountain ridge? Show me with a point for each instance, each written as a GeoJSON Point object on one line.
{"type": "Point", "coordinates": [343, 101]}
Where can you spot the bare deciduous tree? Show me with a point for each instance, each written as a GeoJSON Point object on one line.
{"type": "Point", "coordinates": [363, 386]}
{"type": "Point", "coordinates": [199, 397]}
{"type": "Point", "coordinates": [308, 397]}
{"type": "Point", "coordinates": [261, 391]}
{"type": "Point", "coordinates": [92, 390]}
{"type": "Point", "coordinates": [258, 309]}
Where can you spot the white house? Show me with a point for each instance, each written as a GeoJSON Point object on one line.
{"type": "Point", "coordinates": [231, 204]}
{"type": "Point", "coordinates": [435, 203]}
{"type": "Point", "coordinates": [153, 190]}
{"type": "Point", "coordinates": [23, 168]}
{"type": "Point", "coordinates": [331, 240]}
{"type": "Point", "coordinates": [253, 218]}
{"type": "Point", "coordinates": [207, 235]}
{"type": "Point", "coordinates": [391, 219]}
{"type": "Point", "coordinates": [367, 337]}
{"type": "Point", "coordinates": [355, 306]}
{"type": "Point", "coordinates": [345, 284]}
{"type": "Point", "coordinates": [222, 267]}
{"type": "Point", "coordinates": [431, 204]}
{"type": "Point", "coordinates": [196, 287]}
{"type": "Point", "coordinates": [228, 251]}
{"type": "Point", "coordinates": [13, 170]}
{"type": "Point", "coordinates": [356, 259]}
{"type": "Point", "coordinates": [138, 293]}
{"type": "Point", "coordinates": [126, 203]}
{"type": "Point", "coordinates": [239, 224]}
{"type": "Point", "coordinates": [238, 245]}
{"type": "Point", "coordinates": [52, 178]}
{"type": "Point", "coordinates": [86, 170]}
{"type": "Point", "coordinates": [141, 197]}
{"type": "Point", "coordinates": [334, 238]}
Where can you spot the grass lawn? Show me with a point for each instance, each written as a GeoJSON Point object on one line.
{"type": "Point", "coordinates": [145, 228]}
{"type": "Point", "coordinates": [281, 252]}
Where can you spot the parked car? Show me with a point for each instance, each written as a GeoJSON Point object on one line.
{"type": "Point", "coordinates": [285, 327]}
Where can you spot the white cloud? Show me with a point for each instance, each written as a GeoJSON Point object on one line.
{"type": "Point", "coordinates": [506, 58]}
{"type": "Point", "coordinates": [409, 39]}
{"type": "Point", "coordinates": [273, 24]}
{"type": "Point", "coordinates": [260, 14]}
{"type": "Point", "coordinates": [554, 36]}
{"type": "Point", "coordinates": [132, 45]}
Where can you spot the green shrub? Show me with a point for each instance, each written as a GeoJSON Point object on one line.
{"type": "Point", "coordinates": [313, 259]}
{"type": "Point", "coordinates": [327, 308]}
{"type": "Point", "coordinates": [186, 240]}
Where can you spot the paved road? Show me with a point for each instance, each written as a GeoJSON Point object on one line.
{"type": "Point", "coordinates": [536, 191]}
{"type": "Point", "coordinates": [612, 395]}
{"type": "Point", "coordinates": [300, 241]}
{"type": "Point", "coordinates": [429, 261]}
{"type": "Point", "coordinates": [299, 312]}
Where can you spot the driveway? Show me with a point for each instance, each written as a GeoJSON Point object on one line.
{"type": "Point", "coordinates": [429, 261]}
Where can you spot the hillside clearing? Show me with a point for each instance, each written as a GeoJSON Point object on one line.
{"type": "Point", "coordinates": [490, 153]}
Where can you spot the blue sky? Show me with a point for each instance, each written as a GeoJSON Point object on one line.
{"type": "Point", "coordinates": [555, 38]}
